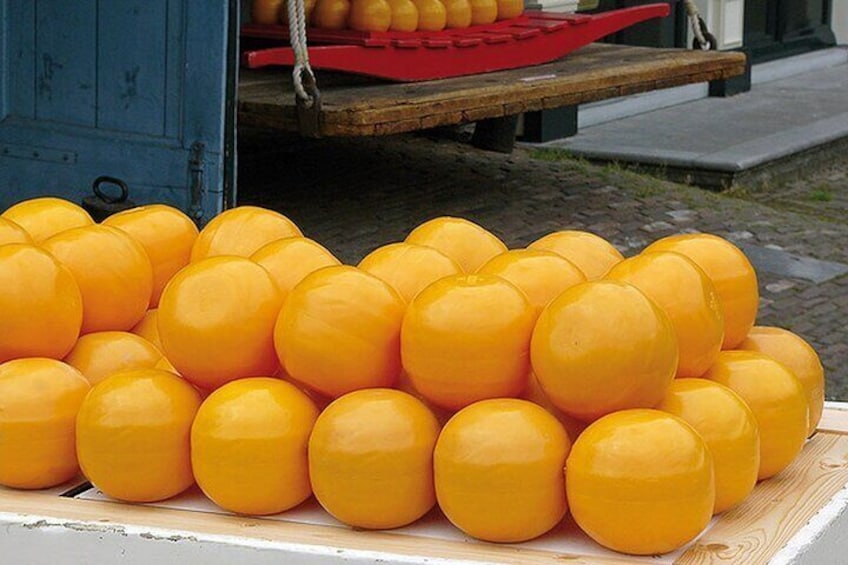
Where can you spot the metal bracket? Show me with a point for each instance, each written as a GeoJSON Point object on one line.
{"type": "Point", "coordinates": [196, 186]}
{"type": "Point", "coordinates": [38, 154]}
{"type": "Point", "coordinates": [102, 205]}
{"type": "Point", "coordinates": [309, 111]}
{"type": "Point", "coordinates": [98, 191]}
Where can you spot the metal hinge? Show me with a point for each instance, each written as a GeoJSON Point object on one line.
{"type": "Point", "coordinates": [38, 154]}
{"type": "Point", "coordinates": [196, 188]}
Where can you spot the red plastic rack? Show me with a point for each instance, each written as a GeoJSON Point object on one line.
{"type": "Point", "coordinates": [530, 39]}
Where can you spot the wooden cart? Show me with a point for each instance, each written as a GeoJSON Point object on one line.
{"type": "Point", "coordinates": [151, 94]}
{"type": "Point", "coordinates": [355, 107]}
{"type": "Point", "coordinates": [797, 517]}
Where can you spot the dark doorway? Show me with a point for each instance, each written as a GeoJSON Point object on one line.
{"type": "Point", "coordinates": [784, 27]}
{"type": "Point", "coordinates": [664, 32]}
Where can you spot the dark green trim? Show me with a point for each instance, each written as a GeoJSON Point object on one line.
{"type": "Point", "coordinates": [773, 41]}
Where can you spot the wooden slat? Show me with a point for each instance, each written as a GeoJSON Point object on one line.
{"type": "Point", "coordinates": [596, 72]}
{"type": "Point", "coordinates": [110, 515]}
{"type": "Point", "coordinates": [778, 508]}
{"type": "Point", "coordinates": [19, 89]}
{"type": "Point", "coordinates": [130, 86]}
{"type": "Point", "coordinates": [834, 418]}
{"type": "Point", "coordinates": [749, 534]}
{"type": "Point", "coordinates": [66, 71]}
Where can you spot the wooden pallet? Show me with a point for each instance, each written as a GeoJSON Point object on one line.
{"type": "Point", "coordinates": [354, 106]}
{"type": "Point", "coordinates": [799, 513]}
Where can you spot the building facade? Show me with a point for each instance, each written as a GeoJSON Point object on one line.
{"type": "Point", "coordinates": [766, 29]}
{"type": "Point", "coordinates": [769, 29]}
{"type": "Point", "coordinates": [839, 21]}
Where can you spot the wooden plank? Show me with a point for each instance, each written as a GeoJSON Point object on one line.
{"type": "Point", "coordinates": [573, 69]}
{"type": "Point", "coordinates": [778, 508]}
{"type": "Point", "coordinates": [749, 534]}
{"type": "Point", "coordinates": [351, 122]}
{"type": "Point", "coordinates": [600, 65]}
{"type": "Point", "coordinates": [132, 57]}
{"type": "Point", "coordinates": [594, 73]}
{"type": "Point", "coordinates": [834, 418]}
{"type": "Point", "coordinates": [19, 78]}
{"type": "Point", "coordinates": [175, 50]}
{"type": "Point", "coordinates": [66, 62]}
{"type": "Point", "coordinates": [108, 516]}
{"type": "Point", "coordinates": [148, 149]}
{"type": "Point", "coordinates": [566, 75]}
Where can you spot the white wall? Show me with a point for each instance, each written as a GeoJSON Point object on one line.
{"type": "Point", "coordinates": [724, 18]}
{"type": "Point", "coordinates": [839, 19]}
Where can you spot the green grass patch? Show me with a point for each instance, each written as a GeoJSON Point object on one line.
{"type": "Point", "coordinates": [821, 194]}
{"type": "Point", "coordinates": [551, 154]}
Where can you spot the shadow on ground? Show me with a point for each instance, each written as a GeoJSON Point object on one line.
{"type": "Point", "coordinates": [354, 195]}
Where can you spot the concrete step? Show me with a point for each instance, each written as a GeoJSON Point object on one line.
{"type": "Point", "coordinates": [795, 115]}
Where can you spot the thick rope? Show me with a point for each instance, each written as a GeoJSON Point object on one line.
{"type": "Point", "coordinates": [695, 21]}
{"type": "Point", "coordinates": [297, 37]}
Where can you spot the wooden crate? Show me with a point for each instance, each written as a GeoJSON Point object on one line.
{"type": "Point", "coordinates": [798, 516]}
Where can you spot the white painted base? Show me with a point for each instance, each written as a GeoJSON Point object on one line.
{"type": "Point", "coordinates": [41, 540]}
{"type": "Point", "coordinates": [823, 540]}
{"type": "Point", "coordinates": [724, 19]}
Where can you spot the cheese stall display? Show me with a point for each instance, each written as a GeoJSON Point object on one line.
{"type": "Point", "coordinates": [447, 400]}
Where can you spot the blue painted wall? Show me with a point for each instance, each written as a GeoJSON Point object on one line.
{"type": "Point", "coordinates": [112, 87]}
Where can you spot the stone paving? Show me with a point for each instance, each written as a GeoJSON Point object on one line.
{"type": "Point", "coordinates": [356, 194]}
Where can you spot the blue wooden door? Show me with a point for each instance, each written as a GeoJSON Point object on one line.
{"type": "Point", "coordinates": [142, 90]}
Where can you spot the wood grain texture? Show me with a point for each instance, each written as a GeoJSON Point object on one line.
{"type": "Point", "coordinates": [66, 71]}
{"type": "Point", "coordinates": [834, 418]}
{"type": "Point", "coordinates": [121, 88]}
{"type": "Point", "coordinates": [113, 517]}
{"type": "Point", "coordinates": [370, 107]}
{"type": "Point", "coordinates": [131, 87]}
{"type": "Point", "coordinates": [777, 508]}
{"type": "Point", "coordinates": [749, 534]}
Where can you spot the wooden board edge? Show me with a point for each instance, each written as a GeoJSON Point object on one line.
{"type": "Point", "coordinates": [834, 418]}
{"type": "Point", "coordinates": [810, 540]}
{"type": "Point", "coordinates": [583, 81]}
{"type": "Point", "coordinates": [823, 467]}
{"type": "Point", "coordinates": [569, 71]}
{"type": "Point", "coordinates": [778, 509]}
{"type": "Point", "coordinates": [345, 123]}
{"type": "Point", "coordinates": [382, 117]}
{"type": "Point", "coordinates": [337, 543]}
{"type": "Point", "coordinates": [498, 110]}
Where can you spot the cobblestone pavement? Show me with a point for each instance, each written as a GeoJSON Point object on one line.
{"type": "Point", "coordinates": [356, 194]}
